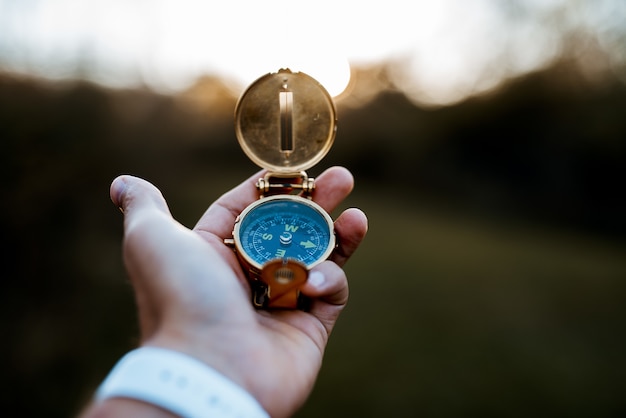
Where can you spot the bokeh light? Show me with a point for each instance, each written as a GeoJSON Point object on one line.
{"type": "Point", "coordinates": [445, 50]}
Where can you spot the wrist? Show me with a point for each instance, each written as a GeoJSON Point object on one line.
{"type": "Point", "coordinates": [125, 407]}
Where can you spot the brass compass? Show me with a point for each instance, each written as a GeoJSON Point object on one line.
{"type": "Point", "coordinates": [285, 122]}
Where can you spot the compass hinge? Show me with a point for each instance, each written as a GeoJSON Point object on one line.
{"type": "Point", "coordinates": [290, 184]}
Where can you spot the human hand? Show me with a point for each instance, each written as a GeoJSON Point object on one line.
{"type": "Point", "coordinates": [193, 296]}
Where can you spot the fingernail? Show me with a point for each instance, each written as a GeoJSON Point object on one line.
{"type": "Point", "coordinates": [317, 279]}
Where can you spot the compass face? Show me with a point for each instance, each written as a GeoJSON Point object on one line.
{"type": "Point", "coordinates": [284, 227]}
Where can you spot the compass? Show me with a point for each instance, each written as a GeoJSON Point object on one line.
{"type": "Point", "coordinates": [285, 122]}
{"type": "Point", "coordinates": [285, 228]}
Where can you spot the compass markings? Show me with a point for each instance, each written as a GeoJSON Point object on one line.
{"type": "Point", "coordinates": [291, 228]}
{"type": "Point", "coordinates": [284, 235]}
{"type": "Point", "coordinates": [308, 244]}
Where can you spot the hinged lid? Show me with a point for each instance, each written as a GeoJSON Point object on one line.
{"type": "Point", "coordinates": [285, 122]}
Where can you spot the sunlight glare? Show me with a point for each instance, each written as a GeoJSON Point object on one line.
{"type": "Point", "coordinates": [444, 50]}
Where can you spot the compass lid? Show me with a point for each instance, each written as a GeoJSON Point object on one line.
{"type": "Point", "coordinates": [285, 121]}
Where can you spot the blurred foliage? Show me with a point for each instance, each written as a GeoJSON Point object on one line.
{"type": "Point", "coordinates": [492, 282]}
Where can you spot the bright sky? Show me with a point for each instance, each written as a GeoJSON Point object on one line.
{"type": "Point", "coordinates": [448, 49]}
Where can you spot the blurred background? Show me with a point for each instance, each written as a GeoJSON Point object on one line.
{"type": "Point", "coordinates": [488, 142]}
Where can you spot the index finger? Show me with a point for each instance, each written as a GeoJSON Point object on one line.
{"type": "Point", "coordinates": [332, 186]}
{"type": "Point", "coordinates": [220, 217]}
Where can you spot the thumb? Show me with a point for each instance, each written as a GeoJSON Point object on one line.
{"type": "Point", "coordinates": [131, 194]}
{"type": "Point", "coordinates": [145, 211]}
{"type": "Point", "coordinates": [175, 273]}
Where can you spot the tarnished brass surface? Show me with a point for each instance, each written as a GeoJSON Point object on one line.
{"type": "Point", "coordinates": [285, 122]}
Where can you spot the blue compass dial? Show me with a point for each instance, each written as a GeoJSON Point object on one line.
{"type": "Point", "coordinates": [286, 228]}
